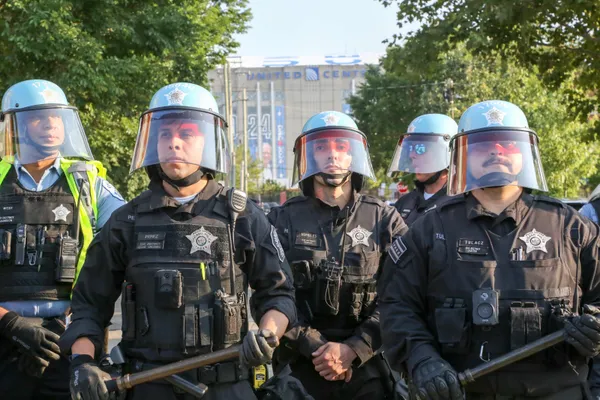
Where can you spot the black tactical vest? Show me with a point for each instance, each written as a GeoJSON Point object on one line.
{"type": "Point", "coordinates": [177, 300]}
{"type": "Point", "coordinates": [32, 226]}
{"type": "Point", "coordinates": [528, 273]}
{"type": "Point", "coordinates": [335, 299]}
{"type": "Point", "coordinates": [412, 205]}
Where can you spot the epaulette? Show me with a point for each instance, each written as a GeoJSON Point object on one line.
{"type": "Point", "coordinates": [296, 199]}
{"type": "Point", "coordinates": [142, 197]}
{"type": "Point", "coordinates": [547, 199]}
{"type": "Point", "coordinates": [365, 198]}
{"type": "Point", "coordinates": [450, 200]}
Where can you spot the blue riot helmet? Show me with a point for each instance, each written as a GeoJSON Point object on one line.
{"type": "Point", "coordinates": [181, 126]}
{"type": "Point", "coordinates": [37, 123]}
{"type": "Point", "coordinates": [425, 147]}
{"type": "Point", "coordinates": [331, 146]}
{"type": "Point", "coordinates": [494, 147]}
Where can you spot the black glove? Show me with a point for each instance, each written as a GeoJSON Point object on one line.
{"type": "Point", "coordinates": [39, 344]}
{"type": "Point", "coordinates": [583, 332]}
{"type": "Point", "coordinates": [31, 365]}
{"type": "Point", "coordinates": [435, 379]}
{"type": "Point", "coordinates": [87, 379]}
{"type": "Point", "coordinates": [255, 348]}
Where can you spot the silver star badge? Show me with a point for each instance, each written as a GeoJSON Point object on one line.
{"type": "Point", "coordinates": [201, 239]}
{"type": "Point", "coordinates": [60, 213]}
{"type": "Point", "coordinates": [331, 119]}
{"type": "Point", "coordinates": [359, 236]}
{"type": "Point", "coordinates": [50, 96]}
{"type": "Point", "coordinates": [535, 241]}
{"type": "Point", "coordinates": [494, 116]}
{"type": "Point", "coordinates": [175, 96]}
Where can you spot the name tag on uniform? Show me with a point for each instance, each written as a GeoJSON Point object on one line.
{"type": "Point", "coordinates": [150, 241]}
{"type": "Point", "coordinates": [472, 246]}
{"type": "Point", "coordinates": [307, 239]}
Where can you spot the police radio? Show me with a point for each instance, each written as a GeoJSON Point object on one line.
{"type": "Point", "coordinates": [229, 308]}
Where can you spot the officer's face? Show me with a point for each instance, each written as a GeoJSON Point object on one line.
{"type": "Point", "coordinates": [332, 155]}
{"type": "Point", "coordinates": [45, 127]}
{"type": "Point", "coordinates": [422, 158]}
{"type": "Point", "coordinates": [488, 157]}
{"type": "Point", "coordinates": [180, 147]}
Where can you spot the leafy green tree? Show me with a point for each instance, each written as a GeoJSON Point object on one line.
{"type": "Point", "coordinates": [110, 56]}
{"type": "Point", "coordinates": [390, 99]}
{"type": "Point", "coordinates": [557, 36]}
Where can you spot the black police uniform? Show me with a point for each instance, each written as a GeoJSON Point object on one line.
{"type": "Point", "coordinates": [31, 227]}
{"type": "Point", "coordinates": [412, 205]}
{"type": "Point", "coordinates": [336, 304]}
{"type": "Point", "coordinates": [171, 263]}
{"type": "Point", "coordinates": [539, 257]}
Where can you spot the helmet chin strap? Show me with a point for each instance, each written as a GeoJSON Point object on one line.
{"type": "Point", "coordinates": [183, 182]}
{"type": "Point", "coordinates": [431, 180]}
{"type": "Point", "coordinates": [496, 179]}
{"type": "Point", "coordinates": [330, 179]}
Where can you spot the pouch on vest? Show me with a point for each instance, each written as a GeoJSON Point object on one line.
{"type": "Point", "coordinates": [228, 319]}
{"type": "Point", "coordinates": [128, 310]}
{"type": "Point", "coordinates": [453, 328]}
{"type": "Point", "coordinates": [525, 324]}
{"type": "Point", "coordinates": [168, 288]}
{"type": "Point", "coordinates": [5, 244]}
{"type": "Point", "coordinates": [356, 301]}
{"type": "Point", "coordinates": [370, 294]}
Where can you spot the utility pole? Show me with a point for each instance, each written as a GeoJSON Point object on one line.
{"type": "Point", "coordinates": [259, 153]}
{"type": "Point", "coordinates": [245, 141]}
{"type": "Point", "coordinates": [273, 134]}
{"type": "Point", "coordinates": [230, 129]}
{"type": "Point", "coordinates": [449, 94]}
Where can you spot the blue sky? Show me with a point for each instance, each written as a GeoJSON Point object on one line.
{"type": "Point", "coordinates": [317, 27]}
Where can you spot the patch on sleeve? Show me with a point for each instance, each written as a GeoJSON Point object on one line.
{"type": "Point", "coordinates": [277, 244]}
{"type": "Point", "coordinates": [112, 190]}
{"type": "Point", "coordinates": [398, 248]}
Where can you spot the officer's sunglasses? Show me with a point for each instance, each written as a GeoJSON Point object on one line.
{"type": "Point", "coordinates": [418, 148]}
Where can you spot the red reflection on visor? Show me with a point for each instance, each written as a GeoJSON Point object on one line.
{"type": "Point", "coordinates": [328, 145]}
{"type": "Point", "coordinates": [190, 126]}
{"type": "Point", "coordinates": [510, 148]}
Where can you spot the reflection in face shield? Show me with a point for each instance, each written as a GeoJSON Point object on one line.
{"type": "Point", "coordinates": [180, 147]}
{"type": "Point", "coordinates": [45, 129]}
{"type": "Point", "coordinates": [495, 157]}
{"type": "Point", "coordinates": [332, 155]}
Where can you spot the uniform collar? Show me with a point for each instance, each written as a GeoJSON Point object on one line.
{"type": "Point", "coordinates": [161, 199]}
{"type": "Point", "coordinates": [354, 199]}
{"type": "Point", "coordinates": [515, 211]}
{"type": "Point", "coordinates": [21, 169]}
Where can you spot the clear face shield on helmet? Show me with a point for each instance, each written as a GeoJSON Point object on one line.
{"type": "Point", "coordinates": [494, 158]}
{"type": "Point", "coordinates": [181, 140]}
{"type": "Point", "coordinates": [41, 133]}
{"type": "Point", "coordinates": [420, 154]}
{"type": "Point", "coordinates": [334, 152]}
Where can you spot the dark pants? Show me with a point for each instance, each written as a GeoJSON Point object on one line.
{"type": "Point", "coordinates": [366, 382]}
{"type": "Point", "coordinates": [159, 391]}
{"type": "Point", "coordinates": [16, 385]}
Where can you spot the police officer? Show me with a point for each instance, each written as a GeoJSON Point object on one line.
{"type": "Point", "coordinates": [491, 270]}
{"type": "Point", "coordinates": [45, 229]}
{"type": "Point", "coordinates": [168, 252]}
{"type": "Point", "coordinates": [424, 151]}
{"type": "Point", "coordinates": [335, 239]}
{"type": "Point", "coordinates": [592, 208]}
